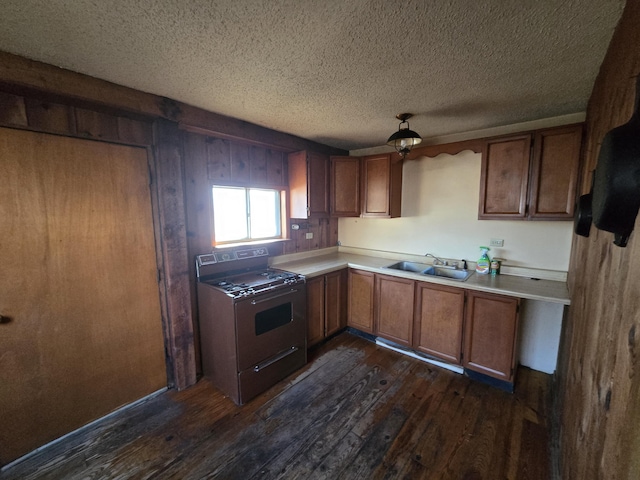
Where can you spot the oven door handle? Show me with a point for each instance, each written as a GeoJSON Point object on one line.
{"type": "Point", "coordinates": [255, 302]}
{"type": "Point", "coordinates": [275, 358]}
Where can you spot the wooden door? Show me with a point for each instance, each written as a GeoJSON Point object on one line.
{"type": "Point", "coordinates": [439, 319]}
{"type": "Point", "coordinates": [394, 309]}
{"type": "Point", "coordinates": [335, 295]}
{"type": "Point", "coordinates": [315, 310]}
{"type": "Point", "coordinates": [81, 332]}
{"type": "Point", "coordinates": [490, 334]}
{"type": "Point", "coordinates": [382, 186]}
{"type": "Point", "coordinates": [504, 178]}
{"type": "Point", "coordinates": [345, 186]}
{"type": "Point", "coordinates": [554, 173]}
{"type": "Point", "coordinates": [318, 171]}
{"type": "Point", "coordinates": [361, 300]}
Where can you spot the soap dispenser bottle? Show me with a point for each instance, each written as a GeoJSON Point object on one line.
{"type": "Point", "coordinates": [483, 266]}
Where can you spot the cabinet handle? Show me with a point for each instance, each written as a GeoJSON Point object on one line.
{"type": "Point", "coordinates": [275, 359]}
{"type": "Point", "coordinates": [4, 319]}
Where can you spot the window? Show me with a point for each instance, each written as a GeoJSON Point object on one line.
{"type": "Point", "coordinates": [246, 214]}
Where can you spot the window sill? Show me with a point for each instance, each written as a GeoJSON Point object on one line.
{"type": "Point", "coordinates": [251, 243]}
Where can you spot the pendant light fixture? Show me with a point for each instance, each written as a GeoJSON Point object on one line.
{"type": "Point", "coordinates": [404, 139]}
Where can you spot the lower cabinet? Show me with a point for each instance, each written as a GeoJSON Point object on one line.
{"type": "Point", "coordinates": [361, 288]}
{"type": "Point", "coordinates": [439, 320]}
{"type": "Point", "coordinates": [490, 334]}
{"type": "Point", "coordinates": [326, 305]}
{"type": "Point", "coordinates": [463, 327]}
{"type": "Point", "coordinates": [394, 309]}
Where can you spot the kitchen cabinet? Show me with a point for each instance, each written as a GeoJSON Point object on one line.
{"type": "Point", "coordinates": [315, 310]}
{"type": "Point", "coordinates": [439, 320]}
{"type": "Point", "coordinates": [518, 182]}
{"type": "Point", "coordinates": [345, 187]}
{"type": "Point", "coordinates": [554, 173]}
{"type": "Point", "coordinates": [326, 306]}
{"type": "Point", "coordinates": [308, 184]}
{"type": "Point", "coordinates": [394, 309]}
{"type": "Point", "coordinates": [381, 186]}
{"type": "Point", "coordinates": [361, 291]}
{"type": "Point", "coordinates": [490, 334]}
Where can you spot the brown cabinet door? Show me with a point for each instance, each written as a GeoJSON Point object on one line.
{"type": "Point", "coordinates": [490, 334]}
{"type": "Point", "coordinates": [394, 309]}
{"type": "Point", "coordinates": [382, 186]}
{"type": "Point", "coordinates": [345, 186]}
{"type": "Point", "coordinates": [554, 173]}
{"type": "Point", "coordinates": [318, 178]}
{"type": "Point", "coordinates": [335, 301]}
{"type": "Point", "coordinates": [504, 178]}
{"type": "Point", "coordinates": [315, 310]}
{"type": "Point", "coordinates": [361, 300]}
{"type": "Point", "coordinates": [308, 184]}
{"type": "Point", "coordinates": [439, 318]}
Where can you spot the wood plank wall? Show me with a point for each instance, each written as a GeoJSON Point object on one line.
{"type": "Point", "coordinates": [40, 97]}
{"type": "Point", "coordinates": [43, 115]}
{"type": "Point", "coordinates": [599, 368]}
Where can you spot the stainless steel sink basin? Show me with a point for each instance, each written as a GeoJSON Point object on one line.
{"type": "Point", "coordinates": [460, 275]}
{"type": "Point", "coordinates": [410, 267]}
{"type": "Point", "coordinates": [432, 270]}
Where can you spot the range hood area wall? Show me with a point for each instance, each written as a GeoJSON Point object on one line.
{"type": "Point", "coordinates": [440, 215]}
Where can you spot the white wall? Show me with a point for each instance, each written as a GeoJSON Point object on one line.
{"type": "Point", "coordinates": [440, 215]}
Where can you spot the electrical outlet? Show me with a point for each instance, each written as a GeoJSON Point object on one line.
{"type": "Point", "coordinates": [309, 235]}
{"type": "Point", "coordinates": [496, 242]}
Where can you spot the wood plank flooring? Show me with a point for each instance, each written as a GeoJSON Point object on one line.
{"type": "Point", "coordinates": [356, 410]}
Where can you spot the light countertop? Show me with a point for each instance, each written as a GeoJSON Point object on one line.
{"type": "Point", "coordinates": [510, 285]}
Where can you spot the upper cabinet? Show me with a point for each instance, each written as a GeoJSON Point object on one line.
{"type": "Point", "coordinates": [368, 186]}
{"type": "Point", "coordinates": [554, 172]}
{"type": "Point", "coordinates": [345, 186]}
{"type": "Point", "coordinates": [531, 176]}
{"type": "Point", "coordinates": [381, 186]}
{"type": "Point", "coordinates": [308, 184]}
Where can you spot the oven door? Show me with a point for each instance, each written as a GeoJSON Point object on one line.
{"type": "Point", "coordinates": [270, 327]}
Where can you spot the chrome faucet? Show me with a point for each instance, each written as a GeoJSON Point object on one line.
{"type": "Point", "coordinates": [437, 261]}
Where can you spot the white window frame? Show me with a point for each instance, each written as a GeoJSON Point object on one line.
{"type": "Point", "coordinates": [280, 221]}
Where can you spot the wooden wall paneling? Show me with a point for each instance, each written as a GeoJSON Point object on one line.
{"type": "Point", "coordinates": [599, 360]}
{"type": "Point", "coordinates": [318, 230]}
{"type": "Point", "coordinates": [134, 131]}
{"type": "Point", "coordinates": [92, 124]}
{"type": "Point", "coordinates": [276, 167]}
{"type": "Point", "coordinates": [12, 110]}
{"type": "Point", "coordinates": [258, 160]}
{"type": "Point", "coordinates": [25, 73]}
{"type": "Point", "coordinates": [218, 159]}
{"type": "Point", "coordinates": [198, 202]}
{"type": "Point", "coordinates": [52, 117]}
{"type": "Point", "coordinates": [175, 275]}
{"type": "Point", "coordinates": [333, 232]}
{"type": "Point", "coordinates": [240, 163]}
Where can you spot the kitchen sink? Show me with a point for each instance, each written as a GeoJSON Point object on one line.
{"type": "Point", "coordinates": [460, 275]}
{"type": "Point", "coordinates": [410, 267]}
{"type": "Point", "coordinates": [432, 270]}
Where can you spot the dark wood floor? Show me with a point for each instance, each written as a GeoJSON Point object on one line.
{"type": "Point", "coordinates": [355, 411]}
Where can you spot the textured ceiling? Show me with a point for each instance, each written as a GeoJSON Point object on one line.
{"type": "Point", "coordinates": [333, 71]}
